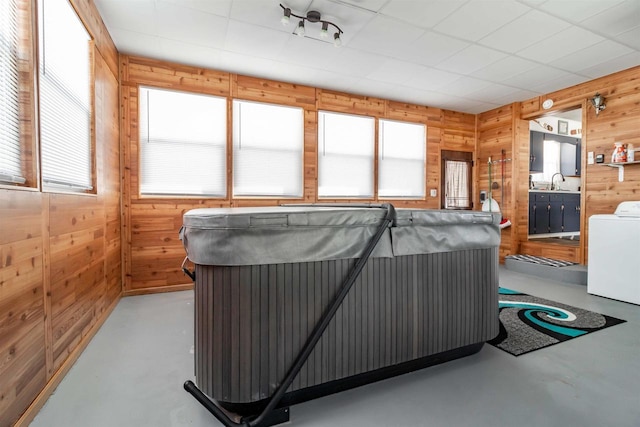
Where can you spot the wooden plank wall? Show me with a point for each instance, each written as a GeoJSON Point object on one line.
{"type": "Point", "coordinates": [495, 134]}
{"type": "Point", "coordinates": [60, 258]}
{"type": "Point", "coordinates": [508, 128]}
{"type": "Point", "coordinates": [152, 251]}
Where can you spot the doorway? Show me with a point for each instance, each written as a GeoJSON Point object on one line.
{"type": "Point", "coordinates": [456, 191]}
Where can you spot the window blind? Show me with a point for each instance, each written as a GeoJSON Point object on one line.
{"type": "Point", "coordinates": [401, 159]}
{"type": "Point", "coordinates": [10, 161]}
{"type": "Point", "coordinates": [268, 147]}
{"type": "Point", "coordinates": [345, 155]}
{"type": "Point", "coordinates": [65, 99]}
{"type": "Point", "coordinates": [183, 138]}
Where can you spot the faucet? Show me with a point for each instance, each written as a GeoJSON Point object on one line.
{"type": "Point", "coordinates": [554, 175]}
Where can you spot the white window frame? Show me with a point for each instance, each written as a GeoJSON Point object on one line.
{"type": "Point", "coordinates": [268, 150]}
{"type": "Point", "coordinates": [172, 166]}
{"type": "Point", "coordinates": [346, 144]}
{"type": "Point", "coordinates": [398, 164]}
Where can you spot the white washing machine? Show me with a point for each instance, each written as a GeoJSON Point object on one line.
{"type": "Point", "coordinates": [614, 254]}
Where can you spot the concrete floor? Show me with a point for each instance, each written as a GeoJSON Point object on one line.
{"type": "Point", "coordinates": [132, 372]}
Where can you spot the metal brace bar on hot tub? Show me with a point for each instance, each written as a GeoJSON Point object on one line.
{"type": "Point", "coordinates": [213, 407]}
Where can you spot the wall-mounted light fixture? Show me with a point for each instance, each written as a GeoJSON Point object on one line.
{"type": "Point", "coordinates": [598, 103]}
{"type": "Point", "coordinates": [312, 16]}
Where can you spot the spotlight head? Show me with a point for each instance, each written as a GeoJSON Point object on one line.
{"type": "Point", "coordinates": [286, 18]}
{"type": "Point", "coordinates": [324, 32]}
{"type": "Point", "coordinates": [337, 42]}
{"type": "Point", "coordinates": [300, 28]}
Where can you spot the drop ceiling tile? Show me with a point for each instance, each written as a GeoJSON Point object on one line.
{"type": "Point", "coordinates": [504, 69]}
{"type": "Point", "coordinates": [130, 42]}
{"type": "Point", "coordinates": [590, 56]}
{"type": "Point", "coordinates": [424, 14]}
{"type": "Point", "coordinates": [267, 13]}
{"type": "Point", "coordinates": [463, 22]}
{"type": "Point", "coordinates": [517, 96]}
{"type": "Point", "coordinates": [353, 62]}
{"type": "Point", "coordinates": [190, 26]}
{"type": "Point", "coordinates": [307, 52]}
{"type": "Point", "coordinates": [616, 20]}
{"type": "Point", "coordinates": [464, 86]}
{"type": "Point", "coordinates": [264, 68]}
{"type": "Point", "coordinates": [334, 81]}
{"type": "Point", "coordinates": [471, 59]}
{"type": "Point", "coordinates": [612, 66]}
{"type": "Point", "coordinates": [217, 7]}
{"type": "Point", "coordinates": [630, 38]}
{"type": "Point", "coordinates": [395, 71]}
{"type": "Point", "coordinates": [534, 76]}
{"type": "Point", "coordinates": [432, 79]}
{"type": "Point", "coordinates": [248, 39]}
{"type": "Point", "coordinates": [139, 16]}
{"type": "Point", "coordinates": [372, 5]}
{"type": "Point", "coordinates": [554, 84]}
{"type": "Point", "coordinates": [577, 10]}
{"type": "Point", "coordinates": [375, 88]}
{"type": "Point", "coordinates": [492, 92]}
{"type": "Point", "coordinates": [560, 45]}
{"type": "Point", "coordinates": [385, 36]}
{"type": "Point", "coordinates": [417, 96]}
{"type": "Point", "coordinates": [431, 48]}
{"type": "Point", "coordinates": [524, 31]}
{"type": "Point", "coordinates": [190, 54]}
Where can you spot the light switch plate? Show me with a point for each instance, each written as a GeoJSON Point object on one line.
{"type": "Point", "coordinates": [590, 159]}
{"type": "Point", "coordinates": [433, 192]}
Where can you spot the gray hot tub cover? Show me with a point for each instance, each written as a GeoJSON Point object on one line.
{"type": "Point", "coordinates": [290, 234]}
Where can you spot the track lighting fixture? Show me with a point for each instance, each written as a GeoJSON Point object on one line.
{"type": "Point", "coordinates": [312, 16]}
{"type": "Point", "coordinates": [598, 103]}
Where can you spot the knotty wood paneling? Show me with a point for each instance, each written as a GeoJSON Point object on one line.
{"type": "Point", "coordinates": [152, 252]}
{"type": "Point", "coordinates": [495, 135]}
{"type": "Point", "coordinates": [22, 358]}
{"type": "Point", "coordinates": [60, 257]}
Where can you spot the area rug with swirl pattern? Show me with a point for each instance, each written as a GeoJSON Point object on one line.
{"type": "Point", "coordinates": [529, 323]}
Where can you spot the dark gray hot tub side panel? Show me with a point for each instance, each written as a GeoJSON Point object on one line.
{"type": "Point", "coordinates": [264, 276]}
{"type": "Point", "coordinates": [251, 321]}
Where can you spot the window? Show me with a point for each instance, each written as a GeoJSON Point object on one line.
{"type": "Point", "coordinates": [268, 150]}
{"type": "Point", "coordinates": [65, 97]}
{"type": "Point", "coordinates": [345, 155]}
{"type": "Point", "coordinates": [401, 159]}
{"type": "Point", "coordinates": [10, 161]}
{"type": "Point", "coordinates": [551, 161]}
{"type": "Point", "coordinates": [183, 139]}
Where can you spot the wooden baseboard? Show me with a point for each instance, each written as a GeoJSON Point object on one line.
{"type": "Point", "coordinates": [58, 376]}
{"type": "Point", "coordinates": [157, 290]}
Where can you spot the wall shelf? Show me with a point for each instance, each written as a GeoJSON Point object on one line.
{"type": "Point", "coordinates": [620, 167]}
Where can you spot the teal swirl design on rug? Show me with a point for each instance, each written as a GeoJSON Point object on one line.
{"type": "Point", "coordinates": [529, 323]}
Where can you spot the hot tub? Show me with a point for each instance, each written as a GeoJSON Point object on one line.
{"type": "Point", "coordinates": [265, 277]}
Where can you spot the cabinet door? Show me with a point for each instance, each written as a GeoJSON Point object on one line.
{"type": "Point", "coordinates": [532, 213]}
{"type": "Point", "coordinates": [536, 151]}
{"type": "Point", "coordinates": [567, 159]}
{"type": "Point", "coordinates": [542, 213]}
{"type": "Point", "coordinates": [571, 218]}
{"type": "Point", "coordinates": [555, 213]}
